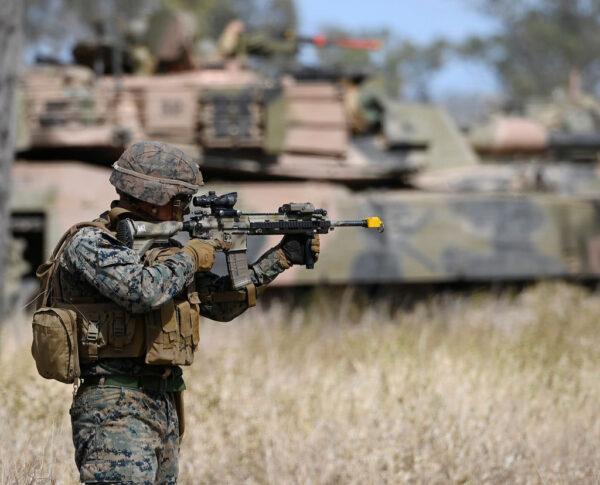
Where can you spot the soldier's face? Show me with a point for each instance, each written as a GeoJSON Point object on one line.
{"type": "Point", "coordinates": [173, 211]}
{"type": "Point", "coordinates": [164, 212]}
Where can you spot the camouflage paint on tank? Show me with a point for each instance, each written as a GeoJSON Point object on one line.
{"type": "Point", "coordinates": [477, 237]}
{"type": "Point", "coordinates": [429, 236]}
{"type": "Point", "coordinates": [441, 237]}
{"type": "Point", "coordinates": [64, 107]}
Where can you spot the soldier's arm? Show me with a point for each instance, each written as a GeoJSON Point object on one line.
{"type": "Point", "coordinates": [119, 274]}
{"type": "Point", "coordinates": [220, 303]}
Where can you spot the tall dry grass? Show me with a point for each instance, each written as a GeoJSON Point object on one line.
{"type": "Point", "coordinates": [478, 389]}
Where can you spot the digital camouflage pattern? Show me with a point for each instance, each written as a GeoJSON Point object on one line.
{"type": "Point", "coordinates": [95, 262]}
{"type": "Point", "coordinates": [131, 435]}
{"type": "Point", "coordinates": [155, 172]}
{"type": "Point", "coordinates": [125, 435]}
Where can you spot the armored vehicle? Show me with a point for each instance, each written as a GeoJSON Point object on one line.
{"type": "Point", "coordinates": [327, 137]}
{"type": "Point", "coordinates": [295, 124]}
{"type": "Point", "coordinates": [563, 128]}
{"type": "Point", "coordinates": [65, 112]}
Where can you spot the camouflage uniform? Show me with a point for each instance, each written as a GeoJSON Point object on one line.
{"type": "Point", "coordinates": [124, 435]}
{"type": "Point", "coordinates": [94, 262]}
{"type": "Point", "coordinates": [125, 424]}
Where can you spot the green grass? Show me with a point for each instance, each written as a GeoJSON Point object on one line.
{"type": "Point", "coordinates": [460, 389]}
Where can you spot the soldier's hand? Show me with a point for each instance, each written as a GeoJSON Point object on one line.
{"type": "Point", "coordinates": [202, 253]}
{"type": "Point", "coordinates": [294, 247]}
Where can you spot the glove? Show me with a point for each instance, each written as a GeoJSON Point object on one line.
{"type": "Point", "coordinates": [294, 247]}
{"type": "Point", "coordinates": [202, 253]}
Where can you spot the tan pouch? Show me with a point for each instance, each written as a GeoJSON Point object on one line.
{"type": "Point", "coordinates": [162, 332]}
{"type": "Point", "coordinates": [184, 317]}
{"type": "Point", "coordinates": [54, 346]}
{"type": "Point", "coordinates": [171, 331]}
{"type": "Point", "coordinates": [108, 331]}
{"type": "Point", "coordinates": [194, 300]}
{"type": "Point", "coordinates": [195, 314]}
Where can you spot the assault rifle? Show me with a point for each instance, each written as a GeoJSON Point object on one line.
{"type": "Point", "coordinates": [213, 216]}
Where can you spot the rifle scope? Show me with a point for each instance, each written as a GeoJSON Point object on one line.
{"type": "Point", "coordinates": [214, 201]}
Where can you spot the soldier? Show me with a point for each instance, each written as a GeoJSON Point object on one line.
{"type": "Point", "coordinates": [138, 318]}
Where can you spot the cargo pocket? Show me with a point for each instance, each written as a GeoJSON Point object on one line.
{"type": "Point", "coordinates": [162, 336]}
{"type": "Point", "coordinates": [172, 334]}
{"type": "Point", "coordinates": [92, 331]}
{"type": "Point", "coordinates": [184, 315]}
{"type": "Point", "coordinates": [195, 326]}
{"type": "Point", "coordinates": [54, 346]}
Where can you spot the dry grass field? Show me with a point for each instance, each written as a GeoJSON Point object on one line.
{"type": "Point", "coordinates": [459, 389]}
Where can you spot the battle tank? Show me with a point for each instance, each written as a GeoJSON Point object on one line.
{"type": "Point", "coordinates": [64, 111]}
{"type": "Point", "coordinates": [299, 124]}
{"type": "Point", "coordinates": [325, 137]}
{"type": "Point", "coordinates": [565, 127]}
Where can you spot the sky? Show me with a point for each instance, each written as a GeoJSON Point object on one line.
{"type": "Point", "coordinates": [418, 20]}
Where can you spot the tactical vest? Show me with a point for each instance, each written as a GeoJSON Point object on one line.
{"type": "Point", "coordinates": [69, 330]}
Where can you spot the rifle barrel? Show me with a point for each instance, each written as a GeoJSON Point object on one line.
{"type": "Point", "coordinates": [370, 222]}
{"type": "Point", "coordinates": [361, 223]}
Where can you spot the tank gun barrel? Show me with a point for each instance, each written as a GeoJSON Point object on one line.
{"type": "Point", "coordinates": [575, 141]}
{"type": "Point", "coordinates": [510, 135]}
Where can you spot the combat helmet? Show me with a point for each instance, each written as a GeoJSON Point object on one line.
{"type": "Point", "coordinates": [155, 172]}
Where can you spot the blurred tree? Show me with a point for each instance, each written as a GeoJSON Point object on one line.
{"type": "Point", "coordinates": [403, 68]}
{"type": "Point", "coordinates": [540, 45]}
{"type": "Point", "coordinates": [275, 17]}
{"type": "Point", "coordinates": [10, 40]}
{"type": "Point", "coordinates": [48, 27]}
{"type": "Point", "coordinates": [52, 26]}
{"type": "Point", "coordinates": [409, 68]}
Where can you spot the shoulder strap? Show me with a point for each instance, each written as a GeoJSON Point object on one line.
{"type": "Point", "coordinates": [46, 271]}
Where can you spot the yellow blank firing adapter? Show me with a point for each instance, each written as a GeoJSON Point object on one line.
{"type": "Point", "coordinates": [375, 223]}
